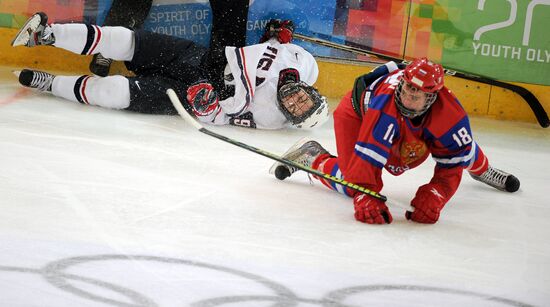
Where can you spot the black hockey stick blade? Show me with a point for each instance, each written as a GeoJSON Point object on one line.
{"type": "Point", "coordinates": [532, 101]}
{"type": "Point", "coordinates": [128, 13]}
{"type": "Point", "coordinates": [193, 122]}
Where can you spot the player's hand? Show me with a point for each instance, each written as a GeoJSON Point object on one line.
{"type": "Point", "coordinates": [203, 98]}
{"type": "Point", "coordinates": [428, 204]}
{"type": "Point", "coordinates": [280, 29]}
{"type": "Point", "coordinates": [371, 210]}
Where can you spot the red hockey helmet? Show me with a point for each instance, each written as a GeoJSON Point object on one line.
{"type": "Point", "coordinates": [425, 76]}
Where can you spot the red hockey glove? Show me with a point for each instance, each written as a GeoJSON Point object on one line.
{"type": "Point", "coordinates": [280, 29]}
{"type": "Point", "coordinates": [203, 98]}
{"type": "Point", "coordinates": [428, 203]}
{"type": "Point", "coordinates": [371, 210]}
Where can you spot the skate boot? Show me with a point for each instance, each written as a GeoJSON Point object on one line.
{"type": "Point", "coordinates": [39, 80]}
{"type": "Point", "coordinates": [304, 152]}
{"type": "Point", "coordinates": [100, 65]}
{"type": "Point", "coordinates": [35, 32]}
{"type": "Point", "coordinates": [498, 179]}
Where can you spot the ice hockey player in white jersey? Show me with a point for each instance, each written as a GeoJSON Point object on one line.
{"type": "Point", "coordinates": [260, 73]}
{"type": "Point", "coordinates": [265, 86]}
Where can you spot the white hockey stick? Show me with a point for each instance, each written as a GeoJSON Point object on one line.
{"type": "Point", "coordinates": [193, 122]}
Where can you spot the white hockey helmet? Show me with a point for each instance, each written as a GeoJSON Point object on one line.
{"type": "Point", "coordinates": [294, 97]}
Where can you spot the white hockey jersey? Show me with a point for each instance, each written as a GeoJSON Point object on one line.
{"type": "Point", "coordinates": [255, 70]}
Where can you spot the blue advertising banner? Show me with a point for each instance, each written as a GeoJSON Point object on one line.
{"type": "Point", "coordinates": [192, 19]}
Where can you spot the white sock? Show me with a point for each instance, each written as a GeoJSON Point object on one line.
{"type": "Point", "coordinates": [115, 43]}
{"type": "Point", "coordinates": [109, 92]}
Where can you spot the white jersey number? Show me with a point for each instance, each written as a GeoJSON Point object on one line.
{"type": "Point", "coordinates": [462, 137]}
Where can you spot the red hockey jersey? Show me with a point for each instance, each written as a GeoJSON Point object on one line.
{"type": "Point", "coordinates": [382, 138]}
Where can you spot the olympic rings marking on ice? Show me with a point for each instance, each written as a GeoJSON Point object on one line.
{"type": "Point", "coordinates": [55, 274]}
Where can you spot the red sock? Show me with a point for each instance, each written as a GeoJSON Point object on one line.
{"type": "Point", "coordinates": [481, 163]}
{"type": "Point", "coordinates": [329, 165]}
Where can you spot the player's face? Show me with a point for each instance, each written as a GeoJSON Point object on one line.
{"type": "Point", "coordinates": [298, 103]}
{"type": "Point", "coordinates": [413, 98]}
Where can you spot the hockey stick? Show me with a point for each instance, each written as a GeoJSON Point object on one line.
{"type": "Point", "coordinates": [532, 101]}
{"type": "Point", "coordinates": [190, 120]}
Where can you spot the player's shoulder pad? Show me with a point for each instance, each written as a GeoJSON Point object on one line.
{"type": "Point", "coordinates": [362, 83]}
{"type": "Point", "coordinates": [366, 80]}
{"type": "Point", "coordinates": [445, 113]}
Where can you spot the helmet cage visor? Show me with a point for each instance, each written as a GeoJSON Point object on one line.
{"type": "Point", "coordinates": [294, 97]}
{"type": "Point", "coordinates": [408, 112]}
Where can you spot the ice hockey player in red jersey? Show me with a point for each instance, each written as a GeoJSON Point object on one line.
{"type": "Point", "coordinates": [265, 86]}
{"type": "Point", "coordinates": [394, 118]}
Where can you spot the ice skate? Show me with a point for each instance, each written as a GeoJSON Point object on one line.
{"type": "Point", "coordinates": [34, 32]}
{"type": "Point", "coordinates": [498, 179]}
{"type": "Point", "coordinates": [303, 152]}
{"type": "Point", "coordinates": [39, 80]}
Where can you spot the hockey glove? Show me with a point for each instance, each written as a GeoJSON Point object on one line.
{"type": "Point", "coordinates": [428, 203]}
{"type": "Point", "coordinates": [203, 98]}
{"type": "Point", "coordinates": [282, 30]}
{"type": "Point", "coordinates": [371, 210]}
{"type": "Point", "coordinates": [288, 75]}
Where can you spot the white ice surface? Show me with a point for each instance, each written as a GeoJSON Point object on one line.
{"type": "Point", "coordinates": [109, 208]}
